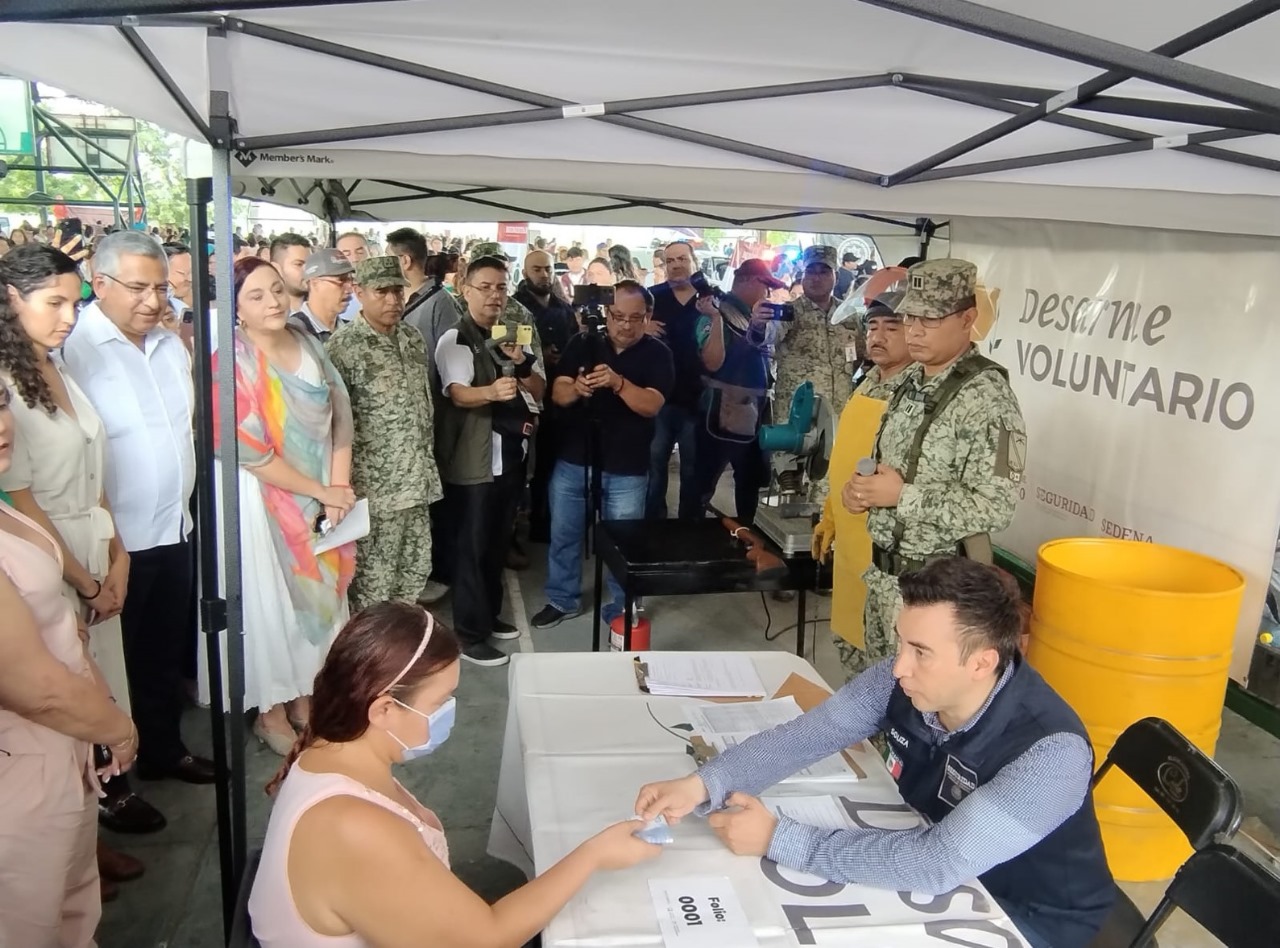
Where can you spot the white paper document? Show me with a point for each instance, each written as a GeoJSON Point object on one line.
{"type": "Point", "coordinates": [700, 912]}
{"type": "Point", "coordinates": [825, 812]}
{"type": "Point", "coordinates": [354, 526]}
{"type": "Point", "coordinates": [703, 675]}
{"type": "Point", "coordinates": [724, 725]}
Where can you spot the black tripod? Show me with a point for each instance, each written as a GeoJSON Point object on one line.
{"type": "Point", "coordinates": [593, 477]}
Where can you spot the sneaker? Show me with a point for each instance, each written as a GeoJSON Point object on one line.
{"type": "Point", "coordinates": [550, 617]}
{"type": "Point", "coordinates": [482, 653]}
{"type": "Point", "coordinates": [432, 592]}
{"type": "Point", "coordinates": [504, 630]}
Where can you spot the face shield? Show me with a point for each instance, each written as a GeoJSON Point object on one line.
{"type": "Point", "coordinates": [853, 310]}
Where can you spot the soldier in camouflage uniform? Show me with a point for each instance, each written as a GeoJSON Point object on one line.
{"type": "Point", "coordinates": [384, 363]}
{"type": "Point", "coordinates": [951, 448]}
{"type": "Point", "coordinates": [887, 350]}
{"type": "Point", "coordinates": [810, 349]}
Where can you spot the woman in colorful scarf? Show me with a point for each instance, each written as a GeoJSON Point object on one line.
{"type": "Point", "coordinates": [294, 435]}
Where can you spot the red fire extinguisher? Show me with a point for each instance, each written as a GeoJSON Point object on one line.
{"type": "Point", "coordinates": [639, 634]}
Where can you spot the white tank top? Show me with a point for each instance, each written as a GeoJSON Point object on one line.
{"type": "Point", "coordinates": [276, 921]}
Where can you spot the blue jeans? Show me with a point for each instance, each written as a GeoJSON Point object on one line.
{"type": "Point", "coordinates": [674, 425]}
{"type": "Point", "coordinates": [622, 499]}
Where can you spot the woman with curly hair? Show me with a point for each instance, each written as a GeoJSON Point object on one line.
{"type": "Point", "coordinates": [56, 479]}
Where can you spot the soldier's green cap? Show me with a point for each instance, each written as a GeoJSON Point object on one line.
{"type": "Point", "coordinates": [819, 253]}
{"type": "Point", "coordinates": [376, 272]}
{"type": "Point", "coordinates": [487, 248]}
{"type": "Point", "coordinates": [937, 288]}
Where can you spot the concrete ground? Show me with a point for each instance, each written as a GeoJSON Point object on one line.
{"type": "Point", "coordinates": [176, 904]}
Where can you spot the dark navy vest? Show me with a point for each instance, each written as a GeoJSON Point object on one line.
{"type": "Point", "coordinates": [1061, 885]}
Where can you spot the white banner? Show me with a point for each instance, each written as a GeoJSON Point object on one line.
{"type": "Point", "coordinates": [1146, 365]}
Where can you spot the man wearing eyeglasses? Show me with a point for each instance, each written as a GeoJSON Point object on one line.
{"type": "Point", "coordinates": [610, 389]}
{"type": "Point", "coordinates": [138, 377]}
{"type": "Point", "coordinates": [330, 288]}
{"type": "Point", "coordinates": [950, 452]}
{"type": "Point", "coordinates": [491, 392]}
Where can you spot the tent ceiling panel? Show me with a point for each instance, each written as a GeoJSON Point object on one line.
{"type": "Point", "coordinates": [94, 63]}
{"type": "Point", "coordinates": [1165, 170]}
{"type": "Point", "coordinates": [341, 65]}
{"type": "Point", "coordinates": [184, 55]}
{"type": "Point", "coordinates": [309, 92]}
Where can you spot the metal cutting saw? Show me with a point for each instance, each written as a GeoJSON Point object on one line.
{"type": "Point", "coordinates": [800, 451]}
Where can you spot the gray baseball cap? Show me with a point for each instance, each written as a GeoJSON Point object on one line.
{"type": "Point", "coordinates": [327, 262]}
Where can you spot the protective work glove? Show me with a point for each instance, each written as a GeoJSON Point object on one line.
{"type": "Point", "coordinates": [824, 534]}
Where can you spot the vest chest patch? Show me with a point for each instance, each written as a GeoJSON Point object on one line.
{"type": "Point", "coordinates": [958, 781]}
{"type": "Point", "coordinates": [894, 763]}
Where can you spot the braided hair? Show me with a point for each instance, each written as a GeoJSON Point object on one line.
{"type": "Point", "coordinates": [24, 270]}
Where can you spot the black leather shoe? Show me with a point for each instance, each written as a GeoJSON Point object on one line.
{"type": "Point", "coordinates": [130, 814]}
{"type": "Point", "coordinates": [189, 769]}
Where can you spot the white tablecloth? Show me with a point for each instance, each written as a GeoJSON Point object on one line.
{"type": "Point", "coordinates": [580, 743]}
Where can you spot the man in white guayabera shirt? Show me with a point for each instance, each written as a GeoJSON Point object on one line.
{"type": "Point", "coordinates": [137, 375]}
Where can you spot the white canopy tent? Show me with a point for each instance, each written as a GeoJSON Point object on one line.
{"type": "Point", "coordinates": [880, 116]}
{"type": "Point", "coordinates": [716, 112]}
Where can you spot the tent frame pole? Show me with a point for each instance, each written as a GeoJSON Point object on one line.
{"type": "Point", "coordinates": [1080, 47]}
{"type": "Point", "coordinates": [662, 130]}
{"type": "Point", "coordinates": [76, 11]}
{"type": "Point", "coordinates": [558, 112]}
{"type": "Point", "coordinates": [144, 52]}
{"type": "Point", "coordinates": [213, 608]}
{"type": "Point", "coordinates": [1178, 46]}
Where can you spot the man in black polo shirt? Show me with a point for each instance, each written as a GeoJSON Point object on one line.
{"type": "Point", "coordinates": [675, 314]}
{"type": "Point", "coordinates": [609, 389]}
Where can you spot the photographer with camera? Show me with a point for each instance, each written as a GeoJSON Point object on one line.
{"type": "Point", "coordinates": [810, 349]}
{"type": "Point", "coordinates": [491, 387]}
{"type": "Point", "coordinates": [733, 335]}
{"type": "Point", "coordinates": [556, 324]}
{"type": "Point", "coordinates": [611, 383]}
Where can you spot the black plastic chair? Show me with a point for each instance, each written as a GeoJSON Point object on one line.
{"type": "Point", "coordinates": [1232, 897]}
{"type": "Point", "coordinates": [241, 929]}
{"type": "Point", "coordinates": [1198, 795]}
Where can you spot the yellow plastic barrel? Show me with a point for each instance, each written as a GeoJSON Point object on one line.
{"type": "Point", "coordinates": [1124, 630]}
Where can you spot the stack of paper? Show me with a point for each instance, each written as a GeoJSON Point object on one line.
{"type": "Point", "coordinates": [722, 726]}
{"type": "Point", "coordinates": [703, 675]}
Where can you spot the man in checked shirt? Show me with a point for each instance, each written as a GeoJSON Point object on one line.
{"type": "Point", "coordinates": [988, 753]}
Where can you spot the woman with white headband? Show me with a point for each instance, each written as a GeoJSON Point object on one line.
{"type": "Point", "coordinates": [351, 859]}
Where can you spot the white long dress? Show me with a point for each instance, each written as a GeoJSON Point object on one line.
{"type": "Point", "coordinates": [62, 460]}
{"type": "Point", "coordinates": [280, 662]}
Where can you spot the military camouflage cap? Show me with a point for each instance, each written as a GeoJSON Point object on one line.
{"type": "Point", "coordinates": [377, 272]}
{"type": "Point", "coordinates": [937, 288]}
{"type": "Point", "coordinates": [819, 253]}
{"type": "Point", "coordinates": [487, 248]}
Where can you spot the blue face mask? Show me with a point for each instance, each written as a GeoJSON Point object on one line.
{"type": "Point", "coordinates": [439, 722]}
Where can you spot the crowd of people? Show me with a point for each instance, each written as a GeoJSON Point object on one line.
{"type": "Point", "coordinates": [426, 387]}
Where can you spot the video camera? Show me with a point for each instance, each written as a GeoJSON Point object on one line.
{"type": "Point", "coordinates": [590, 300]}
{"type": "Point", "coordinates": [439, 265]}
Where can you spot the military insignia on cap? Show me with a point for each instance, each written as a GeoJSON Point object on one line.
{"type": "Point", "coordinates": [917, 281]}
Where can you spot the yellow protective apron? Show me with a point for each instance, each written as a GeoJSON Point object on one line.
{"type": "Point", "coordinates": [855, 439]}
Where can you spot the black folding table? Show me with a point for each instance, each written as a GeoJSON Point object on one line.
{"type": "Point", "coordinates": [684, 558]}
